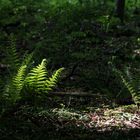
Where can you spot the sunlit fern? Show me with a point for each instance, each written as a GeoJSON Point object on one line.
{"type": "Point", "coordinates": [37, 81]}
{"type": "Point", "coordinates": [51, 82]}
{"type": "Point", "coordinates": [36, 77]}
{"type": "Point", "coordinates": [13, 90]}
{"type": "Point", "coordinates": [135, 93]}
{"type": "Point", "coordinates": [23, 77]}
{"type": "Point", "coordinates": [14, 87]}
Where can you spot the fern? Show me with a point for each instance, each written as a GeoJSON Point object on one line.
{"type": "Point", "coordinates": [38, 81]}
{"type": "Point", "coordinates": [13, 89]}
{"type": "Point", "coordinates": [51, 82]}
{"type": "Point", "coordinates": [36, 78]}
{"type": "Point", "coordinates": [18, 80]}
{"type": "Point", "coordinates": [134, 93]}
{"type": "Point", "coordinates": [12, 55]}
{"type": "Point", "coordinates": [27, 58]}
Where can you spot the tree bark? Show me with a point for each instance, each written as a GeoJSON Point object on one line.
{"type": "Point", "coordinates": [120, 9]}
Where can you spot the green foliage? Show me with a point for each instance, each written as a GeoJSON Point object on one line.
{"type": "Point", "coordinates": [51, 82]}
{"type": "Point", "coordinates": [21, 77]}
{"type": "Point", "coordinates": [85, 37]}
{"type": "Point", "coordinates": [17, 84]}
{"type": "Point", "coordinates": [134, 93]}
{"type": "Point", "coordinates": [12, 55]}
{"type": "Point", "coordinates": [37, 80]}
{"type": "Point", "coordinates": [72, 31]}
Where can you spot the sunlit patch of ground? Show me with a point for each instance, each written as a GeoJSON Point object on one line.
{"type": "Point", "coordinates": [127, 117]}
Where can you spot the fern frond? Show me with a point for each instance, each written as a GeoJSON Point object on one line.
{"type": "Point", "coordinates": [12, 54]}
{"type": "Point", "coordinates": [27, 58]}
{"type": "Point", "coordinates": [52, 81]}
{"type": "Point", "coordinates": [18, 80]}
{"type": "Point", "coordinates": [13, 90]}
{"type": "Point", "coordinates": [135, 94]}
{"type": "Point", "coordinates": [36, 78]}
{"type": "Point", "coordinates": [36, 81]}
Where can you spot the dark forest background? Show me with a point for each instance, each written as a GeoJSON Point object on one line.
{"type": "Point", "coordinates": [91, 49]}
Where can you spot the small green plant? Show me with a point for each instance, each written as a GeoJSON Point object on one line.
{"type": "Point", "coordinates": [134, 93]}
{"type": "Point", "coordinates": [105, 20]}
{"type": "Point", "coordinates": [23, 78]}
{"type": "Point", "coordinates": [37, 81]}
{"type": "Point", "coordinates": [12, 59]}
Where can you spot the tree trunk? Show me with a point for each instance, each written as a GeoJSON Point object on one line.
{"type": "Point", "coordinates": [120, 6]}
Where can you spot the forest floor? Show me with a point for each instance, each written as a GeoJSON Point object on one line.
{"type": "Point", "coordinates": [73, 121]}
{"type": "Point", "coordinates": [97, 122]}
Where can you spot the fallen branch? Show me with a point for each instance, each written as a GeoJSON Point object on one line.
{"type": "Point", "coordinates": [76, 94]}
